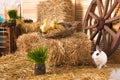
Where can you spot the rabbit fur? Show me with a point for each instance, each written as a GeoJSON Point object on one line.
{"type": "Point", "coordinates": [99, 57]}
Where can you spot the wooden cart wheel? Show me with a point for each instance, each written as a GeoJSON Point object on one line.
{"type": "Point", "coordinates": [98, 24]}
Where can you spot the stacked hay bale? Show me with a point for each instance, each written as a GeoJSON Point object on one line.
{"type": "Point", "coordinates": [62, 10]}
{"type": "Point", "coordinates": [71, 50]}
{"type": "Point", "coordinates": [23, 27]}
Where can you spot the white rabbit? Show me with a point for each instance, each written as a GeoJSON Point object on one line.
{"type": "Point", "coordinates": [99, 57]}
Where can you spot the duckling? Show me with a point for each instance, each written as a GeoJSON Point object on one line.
{"type": "Point", "coordinates": [60, 27]}
{"type": "Point", "coordinates": [55, 25]}
{"type": "Point", "coordinates": [45, 27]}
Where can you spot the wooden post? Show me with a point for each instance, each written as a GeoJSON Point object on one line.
{"type": "Point", "coordinates": [74, 5]}
{"type": "Point", "coordinates": [5, 13]}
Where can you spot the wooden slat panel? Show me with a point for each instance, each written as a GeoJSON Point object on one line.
{"type": "Point", "coordinates": [4, 49]}
{"type": "Point", "coordinates": [29, 5]}
{"type": "Point", "coordinates": [29, 1]}
{"type": "Point", "coordinates": [29, 11]}
{"type": "Point", "coordinates": [5, 39]}
{"type": "Point", "coordinates": [5, 44]}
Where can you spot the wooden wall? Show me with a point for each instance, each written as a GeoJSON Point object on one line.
{"type": "Point", "coordinates": [29, 10]}
{"type": "Point", "coordinates": [81, 8]}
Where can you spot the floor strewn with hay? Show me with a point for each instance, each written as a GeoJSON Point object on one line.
{"type": "Point", "coordinates": [17, 67]}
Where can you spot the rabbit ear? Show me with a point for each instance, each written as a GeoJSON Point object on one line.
{"type": "Point", "coordinates": [98, 48]}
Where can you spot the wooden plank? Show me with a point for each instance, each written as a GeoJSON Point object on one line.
{"type": "Point", "coordinates": [29, 1]}
{"type": "Point", "coordinates": [5, 39]}
{"type": "Point", "coordinates": [30, 11]}
{"type": "Point", "coordinates": [29, 5]}
{"type": "Point", "coordinates": [5, 44]}
{"type": "Point", "coordinates": [4, 49]}
{"type": "Point", "coordinates": [81, 8]}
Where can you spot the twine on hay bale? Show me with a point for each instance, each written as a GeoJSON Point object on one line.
{"type": "Point", "coordinates": [61, 10]}
{"type": "Point", "coordinates": [71, 50]}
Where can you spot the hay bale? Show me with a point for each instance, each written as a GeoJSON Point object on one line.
{"type": "Point", "coordinates": [72, 50]}
{"type": "Point", "coordinates": [62, 10]}
{"type": "Point", "coordinates": [27, 27]}
{"type": "Point", "coordinates": [27, 42]}
{"type": "Point", "coordinates": [31, 27]}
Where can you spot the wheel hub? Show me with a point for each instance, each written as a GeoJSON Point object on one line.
{"type": "Point", "coordinates": [101, 23]}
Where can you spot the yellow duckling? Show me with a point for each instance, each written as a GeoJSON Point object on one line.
{"type": "Point", "coordinates": [55, 25]}
{"type": "Point", "coordinates": [45, 27]}
{"type": "Point", "coordinates": [60, 27]}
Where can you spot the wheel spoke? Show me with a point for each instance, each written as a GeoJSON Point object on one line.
{"type": "Point", "coordinates": [109, 41]}
{"type": "Point", "coordinates": [112, 19]}
{"type": "Point", "coordinates": [106, 7]}
{"type": "Point", "coordinates": [93, 35]}
{"type": "Point", "coordinates": [115, 43]}
{"type": "Point", "coordinates": [85, 31]}
{"type": "Point", "coordinates": [111, 10]}
{"type": "Point", "coordinates": [89, 9]}
{"type": "Point", "coordinates": [99, 5]}
{"type": "Point", "coordinates": [98, 40]}
{"type": "Point", "coordinates": [104, 40]}
{"type": "Point", "coordinates": [116, 39]}
{"type": "Point", "coordinates": [91, 26]}
{"type": "Point", "coordinates": [109, 31]}
{"type": "Point", "coordinates": [118, 1]}
{"type": "Point", "coordinates": [93, 15]}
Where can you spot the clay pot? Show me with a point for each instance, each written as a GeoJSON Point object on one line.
{"type": "Point", "coordinates": [11, 23]}
{"type": "Point", "coordinates": [39, 69]}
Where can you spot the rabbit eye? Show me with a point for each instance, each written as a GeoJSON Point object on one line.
{"type": "Point", "coordinates": [97, 54]}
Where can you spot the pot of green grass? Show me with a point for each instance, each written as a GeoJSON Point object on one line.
{"type": "Point", "coordinates": [13, 16]}
{"type": "Point", "coordinates": [39, 57]}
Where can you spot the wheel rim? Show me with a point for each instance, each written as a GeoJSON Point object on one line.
{"type": "Point", "coordinates": [98, 24]}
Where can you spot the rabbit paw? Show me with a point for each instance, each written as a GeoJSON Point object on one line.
{"type": "Point", "coordinates": [99, 66]}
